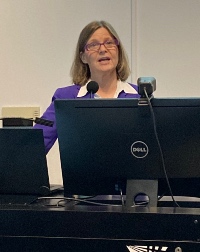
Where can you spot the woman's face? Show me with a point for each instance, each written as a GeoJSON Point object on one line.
{"type": "Point", "coordinates": [102, 60]}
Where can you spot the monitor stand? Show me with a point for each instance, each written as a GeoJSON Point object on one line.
{"type": "Point", "coordinates": [141, 193]}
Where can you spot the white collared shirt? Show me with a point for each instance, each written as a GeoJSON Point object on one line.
{"type": "Point", "coordinates": [121, 86]}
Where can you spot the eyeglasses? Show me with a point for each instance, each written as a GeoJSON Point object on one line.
{"type": "Point", "coordinates": [95, 46]}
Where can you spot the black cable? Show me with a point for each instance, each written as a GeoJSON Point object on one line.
{"type": "Point", "coordinates": [72, 199]}
{"type": "Point", "coordinates": [160, 148]}
{"type": "Point", "coordinates": [122, 197]}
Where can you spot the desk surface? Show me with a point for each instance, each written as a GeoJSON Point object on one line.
{"type": "Point", "coordinates": [41, 225]}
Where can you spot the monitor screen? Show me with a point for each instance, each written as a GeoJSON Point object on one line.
{"type": "Point", "coordinates": [105, 142]}
{"type": "Point", "coordinates": [23, 165]}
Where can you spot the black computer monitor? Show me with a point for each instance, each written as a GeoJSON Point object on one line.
{"type": "Point", "coordinates": [23, 165]}
{"type": "Point", "coordinates": [105, 142]}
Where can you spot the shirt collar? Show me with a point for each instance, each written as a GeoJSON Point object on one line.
{"type": "Point", "coordinates": [121, 86]}
{"type": "Point", "coordinates": [124, 86]}
{"type": "Point", "coordinates": [83, 90]}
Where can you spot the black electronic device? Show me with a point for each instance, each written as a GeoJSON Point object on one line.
{"type": "Point", "coordinates": [106, 142]}
{"type": "Point", "coordinates": [23, 164]}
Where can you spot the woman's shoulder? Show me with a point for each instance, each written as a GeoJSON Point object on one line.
{"type": "Point", "coordinates": [133, 85]}
{"type": "Point", "coordinates": [68, 92]}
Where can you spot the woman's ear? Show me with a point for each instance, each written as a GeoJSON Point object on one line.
{"type": "Point", "coordinates": [83, 58]}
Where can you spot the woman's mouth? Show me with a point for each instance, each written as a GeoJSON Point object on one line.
{"type": "Point", "coordinates": [104, 59]}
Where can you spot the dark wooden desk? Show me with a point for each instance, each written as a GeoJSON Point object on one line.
{"type": "Point", "coordinates": [38, 227]}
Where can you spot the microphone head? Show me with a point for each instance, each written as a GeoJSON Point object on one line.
{"type": "Point", "coordinates": [92, 87]}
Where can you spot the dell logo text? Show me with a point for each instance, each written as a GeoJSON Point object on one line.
{"type": "Point", "coordinates": [139, 149]}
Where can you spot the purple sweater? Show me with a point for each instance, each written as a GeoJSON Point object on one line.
{"type": "Point", "coordinates": [69, 92]}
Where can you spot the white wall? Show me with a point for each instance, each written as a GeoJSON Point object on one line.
{"type": "Point", "coordinates": [168, 45]}
{"type": "Point", "coordinates": [38, 38]}
{"type": "Point", "coordinates": [37, 44]}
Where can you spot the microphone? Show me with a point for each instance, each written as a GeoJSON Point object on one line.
{"type": "Point", "coordinates": [20, 121]}
{"type": "Point", "coordinates": [92, 87]}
